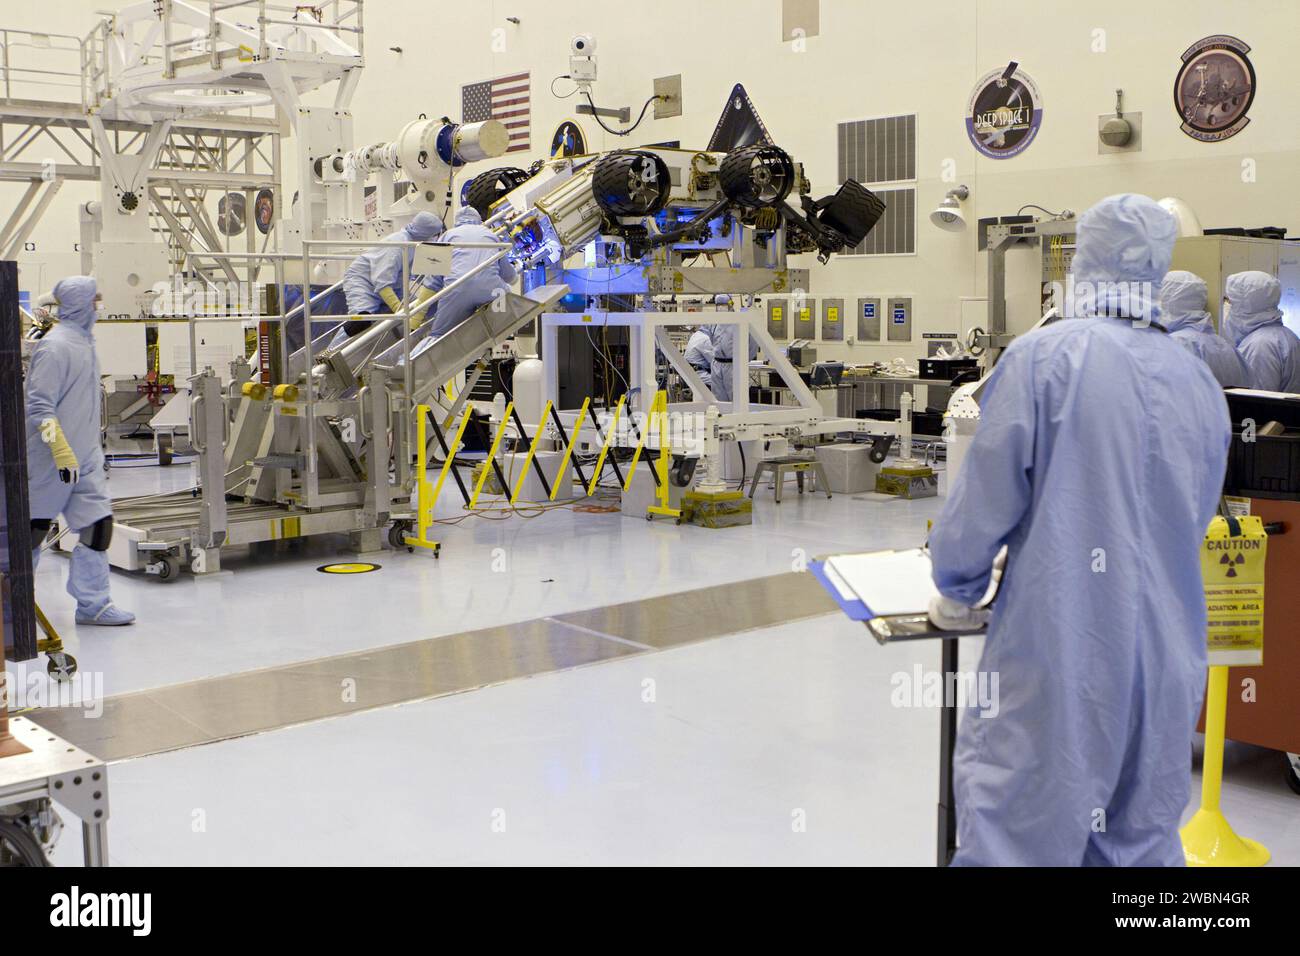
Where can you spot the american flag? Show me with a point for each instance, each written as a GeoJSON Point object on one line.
{"type": "Point", "coordinates": [505, 99]}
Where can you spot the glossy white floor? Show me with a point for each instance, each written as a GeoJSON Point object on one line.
{"type": "Point", "coordinates": [746, 736]}
{"type": "Point", "coordinates": [275, 610]}
{"type": "Point", "coordinates": [772, 746]}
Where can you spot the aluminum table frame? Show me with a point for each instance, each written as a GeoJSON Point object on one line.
{"type": "Point", "coordinates": [63, 773]}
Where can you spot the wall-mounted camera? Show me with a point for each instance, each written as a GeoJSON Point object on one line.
{"type": "Point", "coordinates": [582, 62]}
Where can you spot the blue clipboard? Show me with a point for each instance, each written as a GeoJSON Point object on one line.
{"type": "Point", "coordinates": [853, 607]}
{"type": "Point", "coordinates": [885, 628]}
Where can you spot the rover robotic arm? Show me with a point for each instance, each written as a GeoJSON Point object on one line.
{"type": "Point", "coordinates": [428, 153]}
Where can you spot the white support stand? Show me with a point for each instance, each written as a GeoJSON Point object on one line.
{"type": "Point", "coordinates": [738, 420]}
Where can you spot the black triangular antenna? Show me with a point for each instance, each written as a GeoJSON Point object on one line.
{"type": "Point", "coordinates": [739, 124]}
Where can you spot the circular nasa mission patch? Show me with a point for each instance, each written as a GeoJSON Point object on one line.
{"type": "Point", "coordinates": [1004, 113]}
{"type": "Point", "coordinates": [1214, 88]}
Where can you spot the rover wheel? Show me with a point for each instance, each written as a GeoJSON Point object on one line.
{"type": "Point", "coordinates": [631, 183]}
{"type": "Point", "coordinates": [486, 188]}
{"type": "Point", "coordinates": [757, 175]}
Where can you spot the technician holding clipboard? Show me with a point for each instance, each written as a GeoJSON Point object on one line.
{"type": "Point", "coordinates": [1098, 462]}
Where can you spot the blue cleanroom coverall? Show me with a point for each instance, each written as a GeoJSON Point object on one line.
{"type": "Point", "coordinates": [1270, 350]}
{"type": "Point", "coordinates": [699, 354]}
{"type": "Point", "coordinates": [724, 347]}
{"type": "Point", "coordinates": [461, 302]}
{"type": "Point", "coordinates": [377, 269]}
{"type": "Point", "coordinates": [1183, 299]}
{"type": "Point", "coordinates": [1098, 461]}
{"type": "Point", "coordinates": [65, 461]}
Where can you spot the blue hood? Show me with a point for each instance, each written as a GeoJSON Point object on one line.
{"type": "Point", "coordinates": [1183, 298]}
{"type": "Point", "coordinates": [468, 216]}
{"type": "Point", "coordinates": [76, 298]}
{"type": "Point", "coordinates": [1125, 245]}
{"type": "Point", "coordinates": [424, 227]}
{"type": "Point", "coordinates": [1253, 299]}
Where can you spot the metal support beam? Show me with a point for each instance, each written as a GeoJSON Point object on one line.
{"type": "Point", "coordinates": [25, 230]}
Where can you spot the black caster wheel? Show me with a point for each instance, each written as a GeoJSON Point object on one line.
{"type": "Point", "coordinates": [1291, 767]}
{"type": "Point", "coordinates": [60, 665]}
{"type": "Point", "coordinates": [397, 533]}
{"type": "Point", "coordinates": [171, 568]}
{"type": "Point", "coordinates": [649, 517]}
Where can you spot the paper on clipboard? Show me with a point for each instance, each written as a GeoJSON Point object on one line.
{"type": "Point", "coordinates": [838, 582]}
{"type": "Point", "coordinates": [887, 582]}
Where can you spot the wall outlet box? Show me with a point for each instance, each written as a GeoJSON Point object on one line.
{"type": "Point", "coordinates": [669, 91]}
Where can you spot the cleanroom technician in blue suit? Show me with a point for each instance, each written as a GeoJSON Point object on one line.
{"type": "Point", "coordinates": [724, 345]}
{"type": "Point", "coordinates": [1183, 299]}
{"type": "Point", "coordinates": [65, 462]}
{"type": "Point", "coordinates": [1270, 350]}
{"type": "Point", "coordinates": [479, 289]}
{"type": "Point", "coordinates": [373, 280]}
{"type": "Point", "coordinates": [1098, 462]}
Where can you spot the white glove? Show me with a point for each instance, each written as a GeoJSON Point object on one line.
{"type": "Point", "coordinates": [995, 579]}
{"type": "Point", "coordinates": [949, 615]}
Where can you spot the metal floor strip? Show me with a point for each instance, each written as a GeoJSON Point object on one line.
{"type": "Point", "coordinates": [609, 637]}
{"type": "Point", "coordinates": [220, 708]}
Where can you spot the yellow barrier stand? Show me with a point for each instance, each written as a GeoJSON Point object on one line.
{"type": "Point", "coordinates": [604, 450]}
{"type": "Point", "coordinates": [1208, 838]}
{"type": "Point", "coordinates": [532, 450]}
{"type": "Point", "coordinates": [568, 452]}
{"type": "Point", "coordinates": [636, 457]}
{"type": "Point", "coordinates": [424, 498]}
{"type": "Point", "coordinates": [451, 456]}
{"type": "Point", "coordinates": [492, 454]}
{"type": "Point", "coordinates": [660, 408]}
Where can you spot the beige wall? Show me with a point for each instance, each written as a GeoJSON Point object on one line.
{"type": "Point", "coordinates": [871, 59]}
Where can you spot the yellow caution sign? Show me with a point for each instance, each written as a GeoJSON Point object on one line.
{"type": "Point", "coordinates": [1232, 567]}
{"type": "Point", "coordinates": [777, 312]}
{"type": "Point", "coordinates": [832, 314]}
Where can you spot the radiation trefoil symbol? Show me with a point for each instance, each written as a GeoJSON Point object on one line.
{"type": "Point", "coordinates": [1230, 562]}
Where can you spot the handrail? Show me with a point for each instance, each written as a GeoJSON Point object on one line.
{"type": "Point", "coordinates": [178, 30]}
{"type": "Point", "coordinates": [12, 39]}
